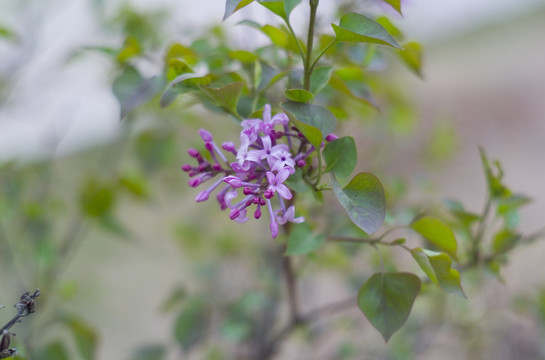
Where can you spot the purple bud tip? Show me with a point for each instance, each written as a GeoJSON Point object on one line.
{"type": "Point", "coordinates": [193, 152]}
{"type": "Point", "coordinates": [274, 229]}
{"type": "Point", "coordinates": [195, 182]}
{"type": "Point", "coordinates": [233, 181]}
{"type": "Point", "coordinates": [301, 163]}
{"type": "Point", "coordinates": [268, 194]}
{"type": "Point", "coordinates": [203, 166]}
{"type": "Point", "coordinates": [257, 213]}
{"type": "Point", "coordinates": [257, 200]}
{"type": "Point", "coordinates": [331, 137]}
{"type": "Point", "coordinates": [234, 214]}
{"type": "Point", "coordinates": [216, 167]}
{"type": "Point", "coordinates": [192, 173]}
{"type": "Point", "coordinates": [209, 146]}
{"type": "Point", "coordinates": [186, 167]}
{"type": "Point", "coordinates": [203, 196]}
{"type": "Point", "coordinates": [249, 202]}
{"type": "Point", "coordinates": [262, 202]}
{"type": "Point", "coordinates": [247, 191]}
{"type": "Point", "coordinates": [229, 146]}
{"type": "Point", "coordinates": [205, 135]}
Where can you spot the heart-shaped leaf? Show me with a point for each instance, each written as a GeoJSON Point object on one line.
{"type": "Point", "coordinates": [387, 299]}
{"type": "Point", "coordinates": [226, 96]}
{"type": "Point", "coordinates": [359, 28]}
{"type": "Point", "coordinates": [341, 156]}
{"type": "Point", "coordinates": [363, 199]}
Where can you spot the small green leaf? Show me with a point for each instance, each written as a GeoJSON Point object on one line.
{"type": "Point", "coordinates": [232, 6]}
{"type": "Point", "coordinates": [341, 156]}
{"type": "Point", "coordinates": [319, 78]}
{"type": "Point", "coordinates": [85, 336]}
{"type": "Point", "coordinates": [181, 85]}
{"type": "Point", "coordinates": [134, 184]}
{"type": "Point", "coordinates": [177, 67]}
{"type": "Point", "coordinates": [494, 178]}
{"type": "Point", "coordinates": [150, 352]}
{"type": "Point", "coordinates": [511, 203]}
{"type": "Point", "coordinates": [457, 210]}
{"type": "Point", "coordinates": [277, 36]}
{"type": "Point", "coordinates": [192, 324]}
{"type": "Point", "coordinates": [363, 199]}
{"type": "Point", "coordinates": [505, 240]}
{"type": "Point", "coordinates": [226, 96]}
{"type": "Point", "coordinates": [356, 89]}
{"type": "Point", "coordinates": [396, 4]}
{"type": "Point", "coordinates": [411, 54]}
{"type": "Point", "coordinates": [437, 233]}
{"type": "Point", "coordinates": [302, 241]}
{"type": "Point", "coordinates": [313, 121]}
{"type": "Point", "coordinates": [386, 299]}
{"type": "Point", "coordinates": [296, 182]}
{"type": "Point", "coordinates": [55, 350]}
{"type": "Point", "coordinates": [243, 56]}
{"type": "Point", "coordinates": [282, 8]}
{"type": "Point", "coordinates": [131, 89]}
{"type": "Point", "coordinates": [438, 268]}
{"type": "Point", "coordinates": [130, 49]}
{"type": "Point", "coordinates": [298, 95]}
{"type": "Point", "coordinates": [96, 198]}
{"type": "Point", "coordinates": [359, 28]}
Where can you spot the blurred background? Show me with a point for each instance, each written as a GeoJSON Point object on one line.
{"type": "Point", "coordinates": [116, 268]}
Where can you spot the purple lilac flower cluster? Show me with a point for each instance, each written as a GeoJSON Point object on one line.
{"type": "Point", "coordinates": [262, 166]}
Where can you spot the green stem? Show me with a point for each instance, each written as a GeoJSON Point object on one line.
{"type": "Point", "coordinates": [310, 42]}
{"type": "Point", "coordinates": [320, 55]}
{"type": "Point", "coordinates": [301, 52]}
{"type": "Point", "coordinates": [476, 246]}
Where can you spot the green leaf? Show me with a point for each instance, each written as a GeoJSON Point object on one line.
{"type": "Point", "coordinates": [130, 49]}
{"type": "Point", "coordinates": [177, 67]}
{"type": "Point", "coordinates": [319, 78]}
{"type": "Point", "coordinates": [192, 324]}
{"type": "Point", "coordinates": [226, 96]}
{"type": "Point", "coordinates": [53, 351]}
{"type": "Point", "coordinates": [437, 233]}
{"type": "Point", "coordinates": [505, 240]}
{"type": "Point", "coordinates": [494, 178]}
{"type": "Point", "coordinates": [282, 8]}
{"type": "Point", "coordinates": [243, 56]}
{"type": "Point", "coordinates": [277, 36]}
{"type": "Point", "coordinates": [363, 199]}
{"type": "Point", "coordinates": [341, 156]}
{"type": "Point", "coordinates": [396, 4]}
{"type": "Point", "coordinates": [298, 95]}
{"type": "Point", "coordinates": [134, 184]}
{"type": "Point", "coordinates": [150, 352]}
{"type": "Point", "coordinates": [96, 198]}
{"type": "Point", "coordinates": [386, 299]}
{"type": "Point", "coordinates": [303, 241]}
{"type": "Point", "coordinates": [181, 85]}
{"type": "Point", "coordinates": [438, 268]}
{"type": "Point", "coordinates": [356, 89]}
{"type": "Point", "coordinates": [411, 54]}
{"type": "Point", "coordinates": [359, 28]}
{"type": "Point", "coordinates": [85, 336]}
{"type": "Point", "coordinates": [511, 203]}
{"type": "Point", "coordinates": [232, 6]}
{"type": "Point", "coordinates": [131, 89]}
{"type": "Point", "coordinates": [296, 182]}
{"type": "Point", "coordinates": [313, 121]}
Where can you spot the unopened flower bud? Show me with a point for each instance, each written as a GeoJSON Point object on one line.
{"type": "Point", "coordinates": [233, 181]}
{"type": "Point", "coordinates": [205, 135]}
{"type": "Point", "coordinates": [186, 167]}
{"type": "Point", "coordinates": [193, 152]}
{"type": "Point", "coordinates": [331, 137]}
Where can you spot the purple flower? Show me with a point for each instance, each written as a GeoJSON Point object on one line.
{"type": "Point", "coordinates": [263, 163]}
{"type": "Point", "coordinates": [285, 215]}
{"type": "Point", "coordinates": [276, 183]}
